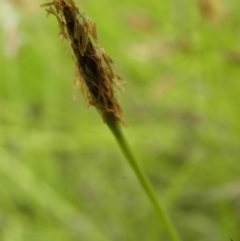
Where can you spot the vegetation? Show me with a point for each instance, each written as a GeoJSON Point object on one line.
{"type": "Point", "coordinates": [62, 175]}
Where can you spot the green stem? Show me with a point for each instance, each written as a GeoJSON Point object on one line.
{"type": "Point", "coordinates": [146, 185]}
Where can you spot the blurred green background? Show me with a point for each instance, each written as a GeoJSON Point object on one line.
{"type": "Point", "coordinates": [62, 175]}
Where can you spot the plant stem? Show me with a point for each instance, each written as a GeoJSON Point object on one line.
{"type": "Point", "coordinates": [142, 178]}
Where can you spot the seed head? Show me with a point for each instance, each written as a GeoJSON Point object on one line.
{"type": "Point", "coordinates": [94, 68]}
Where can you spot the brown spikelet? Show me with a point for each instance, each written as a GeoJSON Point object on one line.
{"type": "Point", "coordinates": [94, 67]}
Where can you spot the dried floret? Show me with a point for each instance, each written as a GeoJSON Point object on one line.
{"type": "Point", "coordinates": [94, 72]}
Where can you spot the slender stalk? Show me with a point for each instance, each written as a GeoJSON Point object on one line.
{"type": "Point", "coordinates": [142, 178]}
{"type": "Point", "coordinates": [94, 71]}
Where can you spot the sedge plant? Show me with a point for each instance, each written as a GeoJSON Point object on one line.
{"type": "Point", "coordinates": [98, 81]}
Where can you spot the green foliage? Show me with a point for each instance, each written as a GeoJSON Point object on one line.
{"type": "Point", "coordinates": [61, 173]}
